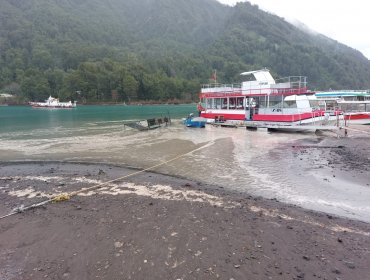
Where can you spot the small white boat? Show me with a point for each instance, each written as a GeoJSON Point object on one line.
{"type": "Point", "coordinates": [54, 103]}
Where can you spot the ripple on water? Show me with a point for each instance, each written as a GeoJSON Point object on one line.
{"type": "Point", "coordinates": [257, 162]}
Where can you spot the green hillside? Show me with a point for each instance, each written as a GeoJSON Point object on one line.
{"type": "Point", "coordinates": [261, 39]}
{"type": "Point", "coordinates": [126, 50]}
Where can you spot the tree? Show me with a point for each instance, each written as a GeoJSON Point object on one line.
{"type": "Point", "coordinates": [35, 86]}
{"type": "Point", "coordinates": [129, 87]}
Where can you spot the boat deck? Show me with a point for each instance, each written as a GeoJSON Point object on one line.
{"type": "Point", "coordinates": [278, 126]}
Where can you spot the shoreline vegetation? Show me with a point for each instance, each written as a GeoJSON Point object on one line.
{"type": "Point", "coordinates": [12, 102]}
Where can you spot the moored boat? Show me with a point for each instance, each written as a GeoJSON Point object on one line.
{"type": "Point", "coordinates": [353, 104]}
{"type": "Point", "coordinates": [260, 101]}
{"type": "Point", "coordinates": [192, 121]}
{"type": "Point", "coordinates": [54, 103]}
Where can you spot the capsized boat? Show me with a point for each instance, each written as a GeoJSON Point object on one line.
{"type": "Point", "coordinates": [192, 121]}
{"type": "Point", "coordinates": [353, 104]}
{"type": "Point", "coordinates": [260, 101]}
{"type": "Point", "coordinates": [148, 124]}
{"type": "Point", "coordinates": [54, 103]}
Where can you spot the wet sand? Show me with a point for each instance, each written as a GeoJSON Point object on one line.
{"type": "Point", "coordinates": [154, 226]}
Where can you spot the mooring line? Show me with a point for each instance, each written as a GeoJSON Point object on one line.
{"type": "Point", "coordinates": [67, 196]}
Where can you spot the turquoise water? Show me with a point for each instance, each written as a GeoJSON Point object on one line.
{"type": "Point", "coordinates": [20, 122]}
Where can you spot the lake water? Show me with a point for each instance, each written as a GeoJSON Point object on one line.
{"type": "Point", "coordinates": [256, 162]}
{"type": "Point", "coordinates": [24, 121]}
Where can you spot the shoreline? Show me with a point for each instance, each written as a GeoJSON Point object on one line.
{"type": "Point", "coordinates": [166, 227]}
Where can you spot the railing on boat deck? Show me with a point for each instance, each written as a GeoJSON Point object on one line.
{"type": "Point", "coordinates": [275, 91]}
{"type": "Point", "coordinates": [285, 89]}
{"type": "Point", "coordinates": [218, 85]}
{"type": "Point", "coordinates": [232, 92]}
{"type": "Point", "coordinates": [294, 81]}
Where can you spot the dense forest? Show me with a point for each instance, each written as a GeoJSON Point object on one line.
{"type": "Point", "coordinates": [157, 50]}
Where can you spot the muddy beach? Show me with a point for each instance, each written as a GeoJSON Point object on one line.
{"type": "Point", "coordinates": [242, 214]}
{"type": "Point", "coordinates": [153, 226]}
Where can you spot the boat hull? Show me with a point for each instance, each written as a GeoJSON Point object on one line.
{"type": "Point", "coordinates": [52, 107]}
{"type": "Point", "coordinates": [307, 117]}
{"type": "Point", "coordinates": [357, 118]}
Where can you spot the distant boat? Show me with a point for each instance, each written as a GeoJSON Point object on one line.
{"type": "Point", "coordinates": [54, 103]}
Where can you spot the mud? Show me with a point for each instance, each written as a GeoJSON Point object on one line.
{"type": "Point", "coordinates": [153, 226]}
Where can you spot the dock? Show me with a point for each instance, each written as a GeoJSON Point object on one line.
{"type": "Point", "coordinates": [250, 125]}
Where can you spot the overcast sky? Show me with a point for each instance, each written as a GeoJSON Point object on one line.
{"type": "Point", "coordinates": [345, 21]}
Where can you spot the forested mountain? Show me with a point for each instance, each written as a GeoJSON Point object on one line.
{"type": "Point", "coordinates": [125, 50]}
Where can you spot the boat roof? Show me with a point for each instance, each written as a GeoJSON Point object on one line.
{"type": "Point", "coordinates": [262, 75]}
{"type": "Point", "coordinates": [299, 97]}
{"type": "Point", "coordinates": [339, 93]}
{"type": "Point", "coordinates": [255, 71]}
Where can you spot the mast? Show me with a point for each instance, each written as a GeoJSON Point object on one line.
{"type": "Point", "coordinates": [214, 76]}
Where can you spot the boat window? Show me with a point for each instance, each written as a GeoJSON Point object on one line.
{"type": "Point", "coordinates": [240, 103]}
{"type": "Point", "coordinates": [249, 78]}
{"type": "Point", "coordinates": [290, 104]}
{"type": "Point", "coordinates": [275, 101]}
{"type": "Point", "coordinates": [218, 103]}
{"type": "Point", "coordinates": [209, 103]}
{"type": "Point", "coordinates": [224, 103]}
{"type": "Point", "coordinates": [261, 101]}
{"type": "Point", "coordinates": [314, 103]}
{"type": "Point", "coordinates": [331, 105]}
{"type": "Point", "coordinates": [352, 107]}
{"type": "Point", "coordinates": [232, 102]}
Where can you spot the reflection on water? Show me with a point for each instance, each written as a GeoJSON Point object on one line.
{"type": "Point", "coordinates": [247, 161]}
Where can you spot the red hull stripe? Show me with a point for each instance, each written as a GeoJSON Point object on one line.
{"type": "Point", "coordinates": [239, 117]}
{"type": "Point", "coordinates": [273, 118]}
{"type": "Point", "coordinates": [357, 117]}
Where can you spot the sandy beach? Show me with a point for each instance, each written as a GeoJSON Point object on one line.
{"type": "Point", "coordinates": [154, 226]}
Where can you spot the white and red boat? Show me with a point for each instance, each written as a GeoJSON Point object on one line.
{"type": "Point", "coordinates": [261, 101]}
{"type": "Point", "coordinates": [354, 104]}
{"type": "Point", "coordinates": [54, 103]}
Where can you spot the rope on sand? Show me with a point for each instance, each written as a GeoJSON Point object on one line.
{"type": "Point", "coordinates": [66, 196]}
